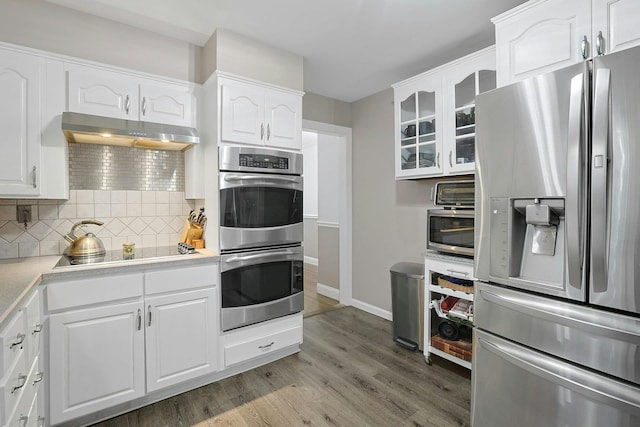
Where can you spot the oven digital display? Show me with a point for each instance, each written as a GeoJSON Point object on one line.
{"type": "Point", "coordinates": [263, 161]}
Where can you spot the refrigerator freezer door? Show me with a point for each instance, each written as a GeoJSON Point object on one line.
{"type": "Point", "coordinates": [518, 386]}
{"type": "Point", "coordinates": [615, 179]}
{"type": "Point", "coordinates": [532, 140]}
{"type": "Point", "coordinates": [605, 342]}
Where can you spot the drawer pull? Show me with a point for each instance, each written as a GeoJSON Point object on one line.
{"type": "Point", "coordinates": [454, 272]}
{"type": "Point", "coordinates": [22, 381]}
{"type": "Point", "coordinates": [37, 328]}
{"type": "Point", "coordinates": [23, 420]}
{"type": "Point", "coordinates": [20, 340]}
{"type": "Point", "coordinates": [262, 347]}
{"type": "Point", "coordinates": [39, 377]}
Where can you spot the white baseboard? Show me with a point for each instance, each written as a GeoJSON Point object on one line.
{"type": "Point", "coordinates": [387, 315]}
{"type": "Point", "coordinates": [310, 260]}
{"type": "Point", "coordinates": [329, 292]}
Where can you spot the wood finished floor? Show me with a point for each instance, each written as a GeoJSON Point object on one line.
{"type": "Point", "coordinates": [315, 303]}
{"type": "Point", "coordinates": [349, 372]}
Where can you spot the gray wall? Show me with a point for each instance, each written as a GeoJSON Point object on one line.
{"type": "Point", "coordinates": [389, 216]}
{"type": "Point", "coordinates": [326, 110]}
{"type": "Point", "coordinates": [310, 237]}
{"type": "Point", "coordinates": [329, 256]}
{"type": "Point", "coordinates": [42, 25]}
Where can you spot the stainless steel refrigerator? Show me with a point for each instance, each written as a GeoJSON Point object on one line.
{"type": "Point", "coordinates": [557, 308]}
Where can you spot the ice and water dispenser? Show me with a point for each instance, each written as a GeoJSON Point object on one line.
{"type": "Point", "coordinates": [528, 240]}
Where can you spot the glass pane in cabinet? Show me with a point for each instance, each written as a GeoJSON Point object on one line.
{"type": "Point", "coordinates": [427, 156]}
{"type": "Point", "coordinates": [407, 141]}
{"type": "Point", "coordinates": [408, 108]}
{"type": "Point", "coordinates": [426, 104]}
{"type": "Point", "coordinates": [427, 127]}
{"type": "Point", "coordinates": [408, 160]}
{"type": "Point", "coordinates": [465, 117]}
{"type": "Point", "coordinates": [407, 130]}
{"type": "Point", "coordinates": [486, 80]}
{"type": "Point", "coordinates": [466, 91]}
{"type": "Point", "coordinates": [465, 150]}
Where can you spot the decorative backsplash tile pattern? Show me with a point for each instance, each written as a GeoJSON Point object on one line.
{"type": "Point", "coordinates": [147, 218]}
{"type": "Point", "coordinates": [107, 167]}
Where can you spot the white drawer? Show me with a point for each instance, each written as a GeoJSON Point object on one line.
{"type": "Point", "coordinates": [450, 268]}
{"type": "Point", "coordinates": [23, 412]}
{"type": "Point", "coordinates": [178, 279]}
{"type": "Point", "coordinates": [241, 351]}
{"type": "Point", "coordinates": [12, 385]}
{"type": "Point", "coordinates": [12, 341]}
{"type": "Point", "coordinates": [93, 290]}
{"type": "Point", "coordinates": [34, 325]}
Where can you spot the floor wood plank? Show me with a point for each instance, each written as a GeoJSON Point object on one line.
{"type": "Point", "coordinates": [349, 372]}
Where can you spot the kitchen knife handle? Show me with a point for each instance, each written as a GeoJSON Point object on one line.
{"type": "Point", "coordinates": [599, 147]}
{"type": "Point", "coordinates": [144, 105]}
{"type": "Point", "coordinates": [575, 182]}
{"type": "Point", "coordinates": [584, 48]}
{"type": "Point", "coordinates": [600, 43]}
{"type": "Point", "coordinates": [127, 104]}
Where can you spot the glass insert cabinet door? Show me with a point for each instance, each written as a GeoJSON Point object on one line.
{"type": "Point", "coordinates": [419, 131]}
{"type": "Point", "coordinates": [460, 154]}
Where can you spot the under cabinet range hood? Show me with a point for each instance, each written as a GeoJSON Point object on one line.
{"type": "Point", "coordinates": [86, 128]}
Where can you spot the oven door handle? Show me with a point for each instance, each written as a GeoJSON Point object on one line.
{"type": "Point", "coordinates": [238, 178]}
{"type": "Point", "coordinates": [259, 256]}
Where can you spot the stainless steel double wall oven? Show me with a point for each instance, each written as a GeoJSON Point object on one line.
{"type": "Point", "coordinates": [261, 233]}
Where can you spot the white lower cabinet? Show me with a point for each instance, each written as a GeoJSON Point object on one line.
{"type": "Point", "coordinates": [258, 340]}
{"type": "Point", "coordinates": [151, 330]}
{"type": "Point", "coordinates": [96, 359]}
{"type": "Point", "coordinates": [20, 373]}
{"type": "Point", "coordinates": [179, 337]}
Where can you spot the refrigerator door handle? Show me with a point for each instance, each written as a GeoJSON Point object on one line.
{"type": "Point", "coordinates": [623, 331]}
{"type": "Point", "coordinates": [599, 180]}
{"type": "Point", "coordinates": [599, 388]}
{"type": "Point", "coordinates": [574, 201]}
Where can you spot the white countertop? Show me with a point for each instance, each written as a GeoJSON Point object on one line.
{"type": "Point", "coordinates": [19, 276]}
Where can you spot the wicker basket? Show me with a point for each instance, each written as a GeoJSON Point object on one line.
{"type": "Point", "coordinates": [447, 284]}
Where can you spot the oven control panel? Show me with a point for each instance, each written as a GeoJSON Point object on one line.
{"type": "Point", "coordinates": [263, 161]}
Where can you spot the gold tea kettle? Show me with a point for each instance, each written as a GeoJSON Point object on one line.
{"type": "Point", "coordinates": [87, 246]}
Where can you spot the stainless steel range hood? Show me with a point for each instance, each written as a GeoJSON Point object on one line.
{"type": "Point", "coordinates": [91, 129]}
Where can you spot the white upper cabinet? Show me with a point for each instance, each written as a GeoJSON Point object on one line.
{"type": "Point", "coordinates": [546, 35]}
{"type": "Point", "coordinates": [259, 115]}
{"type": "Point", "coordinates": [106, 93]}
{"type": "Point", "coordinates": [435, 117]}
{"type": "Point", "coordinates": [21, 86]}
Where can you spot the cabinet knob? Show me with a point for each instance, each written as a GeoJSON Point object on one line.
{"type": "Point", "coordinates": [39, 377]}
{"type": "Point", "coordinates": [149, 311]}
{"type": "Point", "coordinates": [19, 340]}
{"type": "Point", "coordinates": [600, 43]}
{"type": "Point", "coordinates": [139, 319]}
{"type": "Point", "coordinates": [23, 420]}
{"type": "Point", "coordinates": [22, 380]}
{"type": "Point", "coordinates": [127, 104]}
{"type": "Point", "coordinates": [36, 328]}
{"type": "Point", "coordinates": [35, 177]}
{"type": "Point", "coordinates": [144, 105]}
{"type": "Point", "coordinates": [584, 47]}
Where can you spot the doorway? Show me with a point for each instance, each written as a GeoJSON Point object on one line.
{"type": "Point", "coordinates": [327, 215]}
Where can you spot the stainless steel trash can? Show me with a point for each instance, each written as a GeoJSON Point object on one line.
{"type": "Point", "coordinates": [407, 304]}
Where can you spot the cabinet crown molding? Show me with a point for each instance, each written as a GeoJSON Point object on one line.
{"type": "Point", "coordinates": [231, 76]}
{"type": "Point", "coordinates": [516, 10]}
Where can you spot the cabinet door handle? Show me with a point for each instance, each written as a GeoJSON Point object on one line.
{"type": "Point", "coordinates": [600, 43]}
{"type": "Point", "coordinates": [139, 319]}
{"type": "Point", "coordinates": [35, 177]}
{"type": "Point", "coordinates": [36, 328]}
{"type": "Point", "coordinates": [39, 377]}
{"type": "Point", "coordinates": [438, 159]}
{"type": "Point", "coordinates": [268, 131]}
{"type": "Point", "coordinates": [262, 347]}
{"type": "Point", "coordinates": [40, 421]}
{"type": "Point", "coordinates": [149, 310]}
{"type": "Point", "coordinates": [450, 159]}
{"type": "Point", "coordinates": [144, 105]}
{"type": "Point", "coordinates": [127, 104]}
{"type": "Point", "coordinates": [19, 340]}
{"type": "Point", "coordinates": [584, 48]}
{"type": "Point", "coordinates": [22, 380]}
{"type": "Point", "coordinates": [23, 420]}
{"type": "Point", "coordinates": [261, 131]}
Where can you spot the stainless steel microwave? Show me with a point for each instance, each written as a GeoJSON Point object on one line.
{"type": "Point", "coordinates": [451, 231]}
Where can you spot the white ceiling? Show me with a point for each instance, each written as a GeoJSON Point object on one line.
{"type": "Point", "coordinates": [351, 48]}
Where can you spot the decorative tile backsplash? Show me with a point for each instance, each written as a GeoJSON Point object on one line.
{"type": "Point", "coordinates": [108, 167]}
{"type": "Point", "coordinates": [147, 218]}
